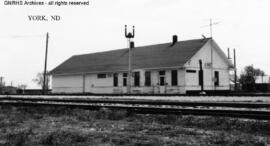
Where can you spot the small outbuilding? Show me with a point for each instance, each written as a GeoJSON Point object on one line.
{"type": "Point", "coordinates": [169, 68]}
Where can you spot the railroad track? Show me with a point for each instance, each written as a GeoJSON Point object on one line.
{"type": "Point", "coordinates": [166, 95]}
{"type": "Point", "coordinates": [228, 109]}
{"type": "Point", "coordinates": [143, 102]}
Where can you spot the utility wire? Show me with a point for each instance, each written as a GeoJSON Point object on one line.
{"type": "Point", "coordinates": [21, 36]}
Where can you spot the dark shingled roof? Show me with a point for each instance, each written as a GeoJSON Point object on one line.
{"type": "Point", "coordinates": [153, 56]}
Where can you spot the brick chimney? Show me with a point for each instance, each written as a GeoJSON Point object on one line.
{"type": "Point", "coordinates": [174, 39]}
{"type": "Point", "coordinates": [132, 44]}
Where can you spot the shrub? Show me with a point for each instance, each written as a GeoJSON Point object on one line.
{"type": "Point", "coordinates": [19, 138]}
{"type": "Point", "coordinates": [59, 138]}
{"type": "Point", "coordinates": [105, 113]}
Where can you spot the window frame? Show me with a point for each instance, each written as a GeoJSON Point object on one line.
{"type": "Point", "coordinates": [216, 83]}
{"type": "Point", "coordinates": [162, 74]}
{"type": "Point", "coordinates": [125, 79]}
{"type": "Point", "coordinates": [115, 79]}
{"type": "Point", "coordinates": [174, 77]}
{"type": "Point", "coordinates": [137, 84]}
{"type": "Point", "coordinates": [101, 76]}
{"type": "Point", "coordinates": [147, 75]}
{"type": "Point", "coordinates": [191, 71]}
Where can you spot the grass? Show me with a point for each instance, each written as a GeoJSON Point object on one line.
{"type": "Point", "coordinates": [44, 126]}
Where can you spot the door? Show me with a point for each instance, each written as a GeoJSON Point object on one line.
{"type": "Point", "coordinates": [162, 82]}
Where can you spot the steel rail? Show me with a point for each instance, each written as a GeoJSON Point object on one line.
{"type": "Point", "coordinates": [180, 95]}
{"type": "Point", "coordinates": [145, 102]}
{"type": "Point", "coordinates": [261, 115]}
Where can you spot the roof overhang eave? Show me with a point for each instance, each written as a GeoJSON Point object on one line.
{"type": "Point", "coordinates": [95, 72]}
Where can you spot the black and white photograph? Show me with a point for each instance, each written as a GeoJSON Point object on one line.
{"type": "Point", "coordinates": [134, 73]}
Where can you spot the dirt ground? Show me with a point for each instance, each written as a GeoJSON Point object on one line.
{"type": "Point", "coordinates": [27, 126]}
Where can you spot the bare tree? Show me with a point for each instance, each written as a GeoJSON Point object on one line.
{"type": "Point", "coordinates": [249, 76]}
{"type": "Point", "coordinates": [39, 80]}
{"type": "Point", "coordinates": [2, 84]}
{"type": "Point", "coordinates": [260, 73]}
{"type": "Point", "coordinates": [22, 87]}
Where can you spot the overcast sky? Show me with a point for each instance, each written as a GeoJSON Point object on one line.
{"type": "Point", "coordinates": [243, 24]}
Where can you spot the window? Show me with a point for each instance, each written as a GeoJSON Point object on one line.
{"type": "Point", "coordinates": [161, 78]}
{"type": "Point", "coordinates": [147, 78]}
{"type": "Point", "coordinates": [161, 72]}
{"type": "Point", "coordinates": [124, 79]}
{"type": "Point", "coordinates": [174, 78]}
{"type": "Point", "coordinates": [136, 78]}
{"type": "Point", "coordinates": [115, 79]}
{"type": "Point", "coordinates": [101, 76]}
{"type": "Point", "coordinates": [216, 78]}
{"type": "Point", "coordinates": [191, 71]}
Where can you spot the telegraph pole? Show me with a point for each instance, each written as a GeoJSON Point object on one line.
{"type": "Point", "coordinates": [211, 23]}
{"type": "Point", "coordinates": [201, 80]}
{"type": "Point", "coordinates": [235, 70]}
{"type": "Point", "coordinates": [229, 57]}
{"type": "Point", "coordinates": [1, 81]}
{"type": "Point", "coordinates": [45, 83]}
{"type": "Point", "coordinates": [201, 76]}
{"type": "Point", "coordinates": [1, 84]}
{"type": "Point", "coordinates": [129, 36]}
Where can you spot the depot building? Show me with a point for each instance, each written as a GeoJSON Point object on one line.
{"type": "Point", "coordinates": [168, 68]}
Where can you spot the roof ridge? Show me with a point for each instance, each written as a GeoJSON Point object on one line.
{"type": "Point", "coordinates": [148, 56]}
{"type": "Point", "coordinates": [107, 51]}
